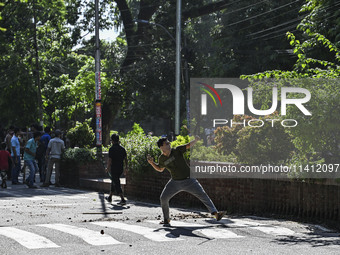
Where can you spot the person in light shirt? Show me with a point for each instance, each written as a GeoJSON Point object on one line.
{"type": "Point", "coordinates": [55, 148]}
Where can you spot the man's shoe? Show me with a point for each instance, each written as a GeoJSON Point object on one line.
{"type": "Point", "coordinates": [165, 222]}
{"type": "Point", "coordinates": [122, 202]}
{"type": "Point", "coordinates": [32, 187]}
{"type": "Point", "coordinates": [220, 215]}
{"type": "Point", "coordinates": [109, 199]}
{"type": "Point", "coordinates": [45, 185]}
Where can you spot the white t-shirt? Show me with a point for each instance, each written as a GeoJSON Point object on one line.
{"type": "Point", "coordinates": [57, 146]}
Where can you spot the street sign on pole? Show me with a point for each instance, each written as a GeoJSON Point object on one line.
{"type": "Point", "coordinates": [99, 125]}
{"type": "Point", "coordinates": [98, 87]}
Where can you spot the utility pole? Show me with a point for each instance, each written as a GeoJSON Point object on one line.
{"type": "Point", "coordinates": [186, 81]}
{"type": "Point", "coordinates": [37, 67]}
{"type": "Point", "coordinates": [178, 65]}
{"type": "Point", "coordinates": [98, 96]}
{"type": "Point", "coordinates": [178, 60]}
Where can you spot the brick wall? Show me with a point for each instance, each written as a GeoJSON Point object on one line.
{"type": "Point", "coordinates": [71, 173]}
{"type": "Point", "coordinates": [253, 196]}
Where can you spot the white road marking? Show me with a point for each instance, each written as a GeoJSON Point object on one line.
{"type": "Point", "coordinates": [21, 196]}
{"type": "Point", "coordinates": [27, 239]}
{"type": "Point", "coordinates": [208, 231]}
{"type": "Point", "coordinates": [275, 230]}
{"type": "Point", "coordinates": [271, 230]}
{"type": "Point", "coordinates": [148, 233]}
{"type": "Point", "coordinates": [36, 198]}
{"type": "Point", "coordinates": [240, 223]}
{"type": "Point", "coordinates": [89, 236]}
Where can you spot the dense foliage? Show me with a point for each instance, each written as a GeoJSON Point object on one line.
{"type": "Point", "coordinates": [138, 146]}
{"type": "Point", "coordinates": [81, 135]}
{"type": "Point", "coordinates": [47, 65]}
{"type": "Point", "coordinates": [78, 155]}
{"type": "Point", "coordinates": [317, 69]}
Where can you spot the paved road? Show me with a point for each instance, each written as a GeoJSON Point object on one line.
{"type": "Point", "coordinates": [70, 221]}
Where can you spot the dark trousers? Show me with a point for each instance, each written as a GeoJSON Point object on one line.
{"type": "Point", "coordinates": [9, 170]}
{"type": "Point", "coordinates": [42, 168]}
{"type": "Point", "coordinates": [115, 182]}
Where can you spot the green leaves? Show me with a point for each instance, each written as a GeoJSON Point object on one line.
{"type": "Point", "coordinates": [79, 155]}
{"type": "Point", "coordinates": [138, 146]}
{"type": "Point", "coordinates": [81, 135]}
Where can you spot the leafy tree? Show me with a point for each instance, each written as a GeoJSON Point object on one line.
{"type": "Point", "coordinates": [1, 28]}
{"type": "Point", "coordinates": [30, 26]}
{"type": "Point", "coordinates": [214, 47]}
{"type": "Point", "coordinates": [316, 69]}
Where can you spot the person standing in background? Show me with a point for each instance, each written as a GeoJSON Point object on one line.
{"type": "Point", "coordinates": [16, 156]}
{"type": "Point", "coordinates": [41, 156]}
{"type": "Point", "coordinates": [55, 148]}
{"type": "Point", "coordinates": [29, 157]}
{"type": "Point", "coordinates": [9, 149]}
{"type": "Point", "coordinates": [117, 157]}
{"type": "Point", "coordinates": [5, 157]}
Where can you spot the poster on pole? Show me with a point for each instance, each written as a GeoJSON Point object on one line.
{"type": "Point", "coordinates": [99, 141]}
{"type": "Point", "coordinates": [98, 87]}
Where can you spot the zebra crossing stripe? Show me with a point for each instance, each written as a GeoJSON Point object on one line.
{"type": "Point", "coordinates": [27, 239]}
{"type": "Point", "coordinates": [277, 231]}
{"type": "Point", "coordinates": [271, 230]}
{"type": "Point", "coordinates": [148, 233]}
{"type": "Point", "coordinates": [240, 223]}
{"type": "Point", "coordinates": [89, 236]}
{"type": "Point", "coordinates": [35, 198]}
{"type": "Point", "coordinates": [206, 230]}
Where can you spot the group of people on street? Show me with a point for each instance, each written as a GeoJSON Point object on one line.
{"type": "Point", "coordinates": [41, 153]}
{"type": "Point", "coordinates": [171, 159]}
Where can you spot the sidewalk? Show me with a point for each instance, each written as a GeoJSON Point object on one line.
{"type": "Point", "coordinates": [99, 184]}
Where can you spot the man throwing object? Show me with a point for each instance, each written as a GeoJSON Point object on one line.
{"type": "Point", "coordinates": [173, 160]}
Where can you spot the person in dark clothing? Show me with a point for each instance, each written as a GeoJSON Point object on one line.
{"type": "Point", "coordinates": [117, 157]}
{"type": "Point", "coordinates": [5, 157]}
{"type": "Point", "coordinates": [41, 152]}
{"type": "Point", "coordinates": [172, 159]}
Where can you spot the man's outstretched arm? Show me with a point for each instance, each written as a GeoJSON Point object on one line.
{"type": "Point", "coordinates": [154, 165]}
{"type": "Point", "coordinates": [192, 143]}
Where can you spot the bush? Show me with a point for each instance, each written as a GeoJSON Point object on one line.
{"type": "Point", "coordinates": [180, 140]}
{"type": "Point", "coordinates": [226, 137]}
{"type": "Point", "coordinates": [81, 135]}
{"type": "Point", "coordinates": [79, 155]}
{"type": "Point", "coordinates": [138, 146]}
{"type": "Point", "coordinates": [199, 152]}
{"type": "Point", "coordinates": [136, 130]}
{"type": "Point", "coordinates": [263, 145]}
